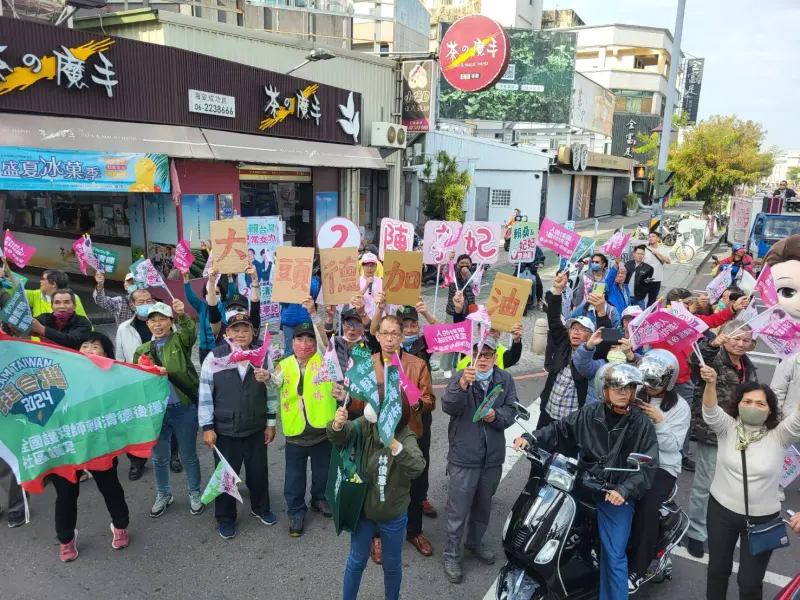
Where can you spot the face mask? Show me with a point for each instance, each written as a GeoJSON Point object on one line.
{"type": "Point", "coordinates": [596, 267]}
{"type": "Point", "coordinates": [305, 352]}
{"type": "Point", "coordinates": [131, 288]}
{"type": "Point", "coordinates": [370, 414]}
{"type": "Point", "coordinates": [142, 310]}
{"type": "Point", "coordinates": [408, 340]}
{"type": "Point", "coordinates": [62, 318]}
{"type": "Point", "coordinates": [721, 305]}
{"type": "Point", "coordinates": [484, 376]}
{"type": "Point", "coordinates": [754, 417]}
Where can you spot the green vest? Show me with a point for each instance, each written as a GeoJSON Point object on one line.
{"type": "Point", "coordinates": [318, 406]}
{"type": "Point", "coordinates": [501, 350]}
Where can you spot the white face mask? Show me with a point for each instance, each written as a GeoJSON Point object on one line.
{"type": "Point", "coordinates": [370, 414]}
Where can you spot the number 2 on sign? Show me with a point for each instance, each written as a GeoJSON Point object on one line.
{"type": "Point", "coordinates": [342, 231]}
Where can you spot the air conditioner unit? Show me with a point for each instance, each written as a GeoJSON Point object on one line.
{"type": "Point", "coordinates": [388, 135]}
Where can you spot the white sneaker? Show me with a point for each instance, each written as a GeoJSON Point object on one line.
{"type": "Point", "coordinates": [196, 505]}
{"type": "Point", "coordinates": [781, 495]}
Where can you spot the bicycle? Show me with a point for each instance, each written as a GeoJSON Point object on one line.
{"type": "Point", "coordinates": [683, 251]}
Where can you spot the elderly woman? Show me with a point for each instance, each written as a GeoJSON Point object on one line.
{"type": "Point", "coordinates": [751, 444]}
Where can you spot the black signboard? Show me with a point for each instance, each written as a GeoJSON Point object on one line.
{"type": "Point", "coordinates": [692, 81]}
{"type": "Point", "coordinates": [626, 127]}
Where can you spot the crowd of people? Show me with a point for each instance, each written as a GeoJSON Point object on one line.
{"type": "Point", "coordinates": [602, 398]}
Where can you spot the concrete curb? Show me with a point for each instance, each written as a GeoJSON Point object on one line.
{"type": "Point", "coordinates": [708, 255]}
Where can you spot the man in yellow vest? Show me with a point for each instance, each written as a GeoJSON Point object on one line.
{"type": "Point", "coordinates": [506, 357]}
{"type": "Point", "coordinates": [306, 409]}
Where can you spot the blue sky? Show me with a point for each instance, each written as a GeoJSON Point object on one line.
{"type": "Point", "coordinates": [751, 49]}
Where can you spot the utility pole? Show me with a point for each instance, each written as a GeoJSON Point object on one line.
{"type": "Point", "coordinates": [666, 132]}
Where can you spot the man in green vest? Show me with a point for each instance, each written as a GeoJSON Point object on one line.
{"type": "Point", "coordinates": [306, 409]}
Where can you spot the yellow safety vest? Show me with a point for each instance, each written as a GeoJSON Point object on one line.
{"type": "Point", "coordinates": [318, 406]}
{"type": "Point", "coordinates": [501, 350]}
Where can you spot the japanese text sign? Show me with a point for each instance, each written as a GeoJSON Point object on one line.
{"type": "Point", "coordinates": [523, 242]}
{"type": "Point", "coordinates": [392, 408]}
{"type": "Point", "coordinates": [292, 281]}
{"type": "Point", "coordinates": [338, 233]}
{"type": "Point", "coordinates": [395, 235]}
{"type": "Point", "coordinates": [455, 337]}
{"type": "Point", "coordinates": [481, 241]}
{"type": "Point", "coordinates": [402, 277]}
{"type": "Point", "coordinates": [507, 300]}
{"type": "Point", "coordinates": [475, 52]}
{"type": "Point", "coordinates": [559, 239]}
{"type": "Point", "coordinates": [16, 251]}
{"type": "Point", "coordinates": [339, 274]}
{"type": "Point", "coordinates": [439, 239]}
{"type": "Point", "coordinates": [229, 244]}
{"type": "Point", "coordinates": [616, 245]}
{"type": "Point", "coordinates": [184, 259]}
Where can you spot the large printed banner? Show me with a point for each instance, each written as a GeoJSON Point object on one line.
{"type": "Point", "coordinates": [75, 170]}
{"type": "Point", "coordinates": [61, 410]}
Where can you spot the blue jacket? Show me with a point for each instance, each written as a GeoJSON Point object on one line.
{"type": "Point", "coordinates": [618, 298]}
{"type": "Point", "coordinates": [584, 362]}
{"type": "Point", "coordinates": [207, 340]}
{"type": "Point", "coordinates": [294, 314]}
{"type": "Point", "coordinates": [587, 310]}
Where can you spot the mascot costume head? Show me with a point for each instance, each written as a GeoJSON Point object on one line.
{"type": "Point", "coordinates": [784, 260]}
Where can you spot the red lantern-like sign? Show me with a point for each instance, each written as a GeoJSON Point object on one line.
{"type": "Point", "coordinates": [474, 53]}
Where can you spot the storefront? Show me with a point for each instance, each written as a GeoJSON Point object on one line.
{"type": "Point", "coordinates": [90, 143]}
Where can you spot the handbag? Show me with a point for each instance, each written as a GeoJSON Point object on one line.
{"type": "Point", "coordinates": [763, 537]}
{"type": "Point", "coordinates": [346, 488]}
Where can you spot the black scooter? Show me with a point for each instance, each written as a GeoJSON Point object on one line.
{"type": "Point", "coordinates": [551, 540]}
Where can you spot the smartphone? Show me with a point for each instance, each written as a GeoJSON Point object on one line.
{"type": "Point", "coordinates": [611, 335]}
{"type": "Point", "coordinates": [599, 288]}
{"type": "Point", "coordinates": [639, 402]}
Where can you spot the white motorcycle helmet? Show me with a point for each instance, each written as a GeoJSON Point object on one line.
{"type": "Point", "coordinates": [659, 369]}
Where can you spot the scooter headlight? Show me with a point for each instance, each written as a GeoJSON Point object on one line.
{"type": "Point", "coordinates": [560, 479]}
{"type": "Point", "coordinates": [547, 552]}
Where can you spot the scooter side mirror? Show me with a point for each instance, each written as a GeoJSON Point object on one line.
{"type": "Point", "coordinates": [636, 459]}
{"type": "Point", "coordinates": [522, 413]}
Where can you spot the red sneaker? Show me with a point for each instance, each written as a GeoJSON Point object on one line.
{"type": "Point", "coordinates": [69, 551]}
{"type": "Point", "coordinates": [121, 539]}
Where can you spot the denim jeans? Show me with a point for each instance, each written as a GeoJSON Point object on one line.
{"type": "Point", "coordinates": [614, 524]}
{"type": "Point", "coordinates": [183, 421]}
{"type": "Point", "coordinates": [288, 336]}
{"type": "Point", "coordinates": [294, 486]}
{"type": "Point", "coordinates": [392, 534]}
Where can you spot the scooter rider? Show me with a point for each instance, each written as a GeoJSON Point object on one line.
{"type": "Point", "coordinates": [607, 433]}
{"type": "Point", "coordinates": [671, 416]}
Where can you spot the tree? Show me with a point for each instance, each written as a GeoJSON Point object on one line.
{"type": "Point", "coordinates": [717, 155]}
{"type": "Point", "coordinates": [445, 192]}
{"type": "Point", "coordinates": [793, 175]}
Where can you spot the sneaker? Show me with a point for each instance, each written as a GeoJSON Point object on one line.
{"type": "Point", "coordinates": [321, 506]}
{"type": "Point", "coordinates": [16, 518]}
{"type": "Point", "coordinates": [687, 464]}
{"type": "Point", "coordinates": [175, 464]}
{"type": "Point", "coordinates": [121, 539]}
{"type": "Point", "coordinates": [781, 495]}
{"type": "Point", "coordinates": [196, 505]}
{"type": "Point", "coordinates": [135, 472]}
{"type": "Point", "coordinates": [428, 510]}
{"type": "Point", "coordinates": [161, 504]}
{"type": "Point", "coordinates": [296, 526]}
{"type": "Point", "coordinates": [69, 551]}
{"type": "Point", "coordinates": [227, 531]}
{"type": "Point", "coordinates": [267, 517]}
{"type": "Point", "coordinates": [452, 568]}
{"type": "Point", "coordinates": [483, 554]}
{"type": "Point", "coordinates": [634, 581]}
{"type": "Point", "coordinates": [695, 547]}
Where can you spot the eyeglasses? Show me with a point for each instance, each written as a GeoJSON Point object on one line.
{"type": "Point", "coordinates": [353, 324]}
{"type": "Point", "coordinates": [486, 355]}
{"type": "Point", "coordinates": [391, 334]}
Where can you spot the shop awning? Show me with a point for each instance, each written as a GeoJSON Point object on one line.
{"type": "Point", "coordinates": [64, 133]}
{"type": "Point", "coordinates": [598, 172]}
{"type": "Point", "coordinates": [280, 151]}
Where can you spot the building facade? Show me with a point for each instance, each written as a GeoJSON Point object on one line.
{"type": "Point", "coordinates": [519, 14]}
{"type": "Point", "coordinates": [784, 162]}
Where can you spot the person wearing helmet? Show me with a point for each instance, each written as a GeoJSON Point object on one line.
{"type": "Point", "coordinates": [606, 433]}
{"type": "Point", "coordinates": [739, 262]}
{"type": "Point", "coordinates": [671, 416]}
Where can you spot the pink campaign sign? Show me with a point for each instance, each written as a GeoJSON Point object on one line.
{"type": "Point", "coordinates": [16, 251]}
{"type": "Point", "coordinates": [439, 239]}
{"type": "Point", "coordinates": [616, 245]}
{"type": "Point", "coordinates": [481, 241]}
{"type": "Point", "coordinates": [662, 326]}
{"type": "Point", "coordinates": [559, 239]}
{"type": "Point", "coordinates": [456, 337]}
{"type": "Point", "coordinates": [184, 259]}
{"type": "Point", "coordinates": [765, 286]}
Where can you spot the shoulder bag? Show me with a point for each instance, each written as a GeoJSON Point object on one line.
{"type": "Point", "coordinates": [764, 537]}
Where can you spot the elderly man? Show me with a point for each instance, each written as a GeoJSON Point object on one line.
{"type": "Point", "coordinates": [62, 327]}
{"type": "Point", "coordinates": [477, 450]}
{"type": "Point", "coordinates": [119, 306]}
{"type": "Point", "coordinates": [618, 293]}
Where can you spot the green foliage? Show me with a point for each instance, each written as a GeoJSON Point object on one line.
{"type": "Point", "coordinates": [717, 155]}
{"type": "Point", "coordinates": [539, 58]}
{"type": "Point", "coordinates": [444, 193]}
{"type": "Point", "coordinates": [632, 201]}
{"type": "Point", "coordinates": [793, 175]}
{"type": "Point", "coordinates": [648, 146]}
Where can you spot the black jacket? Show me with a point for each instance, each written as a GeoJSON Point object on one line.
{"type": "Point", "coordinates": [561, 349]}
{"type": "Point", "coordinates": [469, 296]}
{"type": "Point", "coordinates": [589, 431]}
{"type": "Point", "coordinates": [643, 274]}
{"type": "Point", "coordinates": [73, 333]}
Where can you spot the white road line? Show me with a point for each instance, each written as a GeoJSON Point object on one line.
{"type": "Point", "coordinates": [512, 457]}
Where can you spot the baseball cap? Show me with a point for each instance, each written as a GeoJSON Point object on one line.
{"type": "Point", "coordinates": [489, 343]}
{"type": "Point", "coordinates": [238, 300]}
{"type": "Point", "coordinates": [237, 318]}
{"type": "Point", "coordinates": [407, 312]}
{"type": "Point", "coordinates": [584, 322]}
{"type": "Point", "coordinates": [304, 329]}
{"type": "Point", "coordinates": [632, 311]}
{"type": "Point", "coordinates": [368, 258]}
{"type": "Point", "coordinates": [350, 314]}
{"type": "Point", "coordinates": [159, 308]}
{"type": "Point", "coordinates": [129, 276]}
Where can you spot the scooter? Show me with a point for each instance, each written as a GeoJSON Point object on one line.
{"type": "Point", "coordinates": [551, 540]}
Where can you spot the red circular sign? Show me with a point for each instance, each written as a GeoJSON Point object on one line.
{"type": "Point", "coordinates": [474, 53]}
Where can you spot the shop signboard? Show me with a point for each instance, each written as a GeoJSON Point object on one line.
{"type": "Point", "coordinates": [536, 86]}
{"type": "Point", "coordinates": [592, 107]}
{"type": "Point", "coordinates": [474, 53]}
{"type": "Point", "coordinates": [70, 72]}
{"type": "Point", "coordinates": [693, 80]}
{"type": "Point", "coordinates": [627, 126]}
{"type": "Point", "coordinates": [418, 94]}
{"type": "Point", "coordinates": [82, 171]}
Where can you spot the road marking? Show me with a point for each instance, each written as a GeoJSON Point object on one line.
{"type": "Point", "coordinates": [774, 578]}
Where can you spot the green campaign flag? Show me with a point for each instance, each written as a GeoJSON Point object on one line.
{"type": "Point", "coordinates": [19, 279]}
{"type": "Point", "coordinates": [392, 409]}
{"type": "Point", "coordinates": [360, 379]}
{"type": "Point", "coordinates": [61, 410]}
{"type": "Point", "coordinates": [224, 481]}
{"type": "Point", "coordinates": [582, 250]}
{"type": "Point", "coordinates": [107, 258]}
{"type": "Point", "coordinates": [17, 312]}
